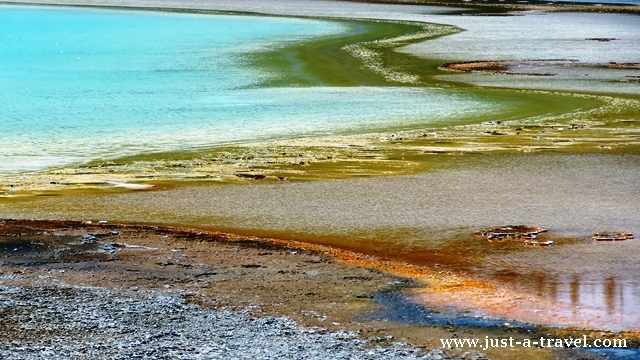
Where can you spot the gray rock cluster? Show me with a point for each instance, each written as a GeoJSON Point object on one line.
{"type": "Point", "coordinates": [89, 323]}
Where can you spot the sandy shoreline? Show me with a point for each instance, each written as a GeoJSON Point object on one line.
{"type": "Point", "coordinates": [403, 152]}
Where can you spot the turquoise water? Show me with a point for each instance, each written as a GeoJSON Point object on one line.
{"type": "Point", "coordinates": [85, 84]}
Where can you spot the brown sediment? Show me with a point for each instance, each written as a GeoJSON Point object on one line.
{"type": "Point", "coordinates": [271, 277]}
{"type": "Point", "coordinates": [218, 269]}
{"type": "Point", "coordinates": [316, 285]}
{"type": "Point", "coordinates": [432, 280]}
{"type": "Point", "coordinates": [612, 236]}
{"type": "Point", "coordinates": [631, 79]}
{"type": "Point", "coordinates": [102, 229]}
{"type": "Point", "coordinates": [616, 65]}
{"type": "Point", "coordinates": [602, 39]}
{"type": "Point", "coordinates": [443, 287]}
{"type": "Point", "coordinates": [504, 67]}
{"type": "Point", "coordinates": [511, 232]}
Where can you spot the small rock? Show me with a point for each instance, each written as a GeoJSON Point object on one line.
{"type": "Point", "coordinates": [89, 239]}
{"type": "Point", "coordinates": [110, 248]}
{"type": "Point", "coordinates": [493, 122]}
{"type": "Point", "coordinates": [251, 176]}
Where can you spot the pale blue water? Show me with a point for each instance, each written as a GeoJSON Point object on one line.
{"type": "Point", "coordinates": [555, 35]}
{"type": "Point", "coordinates": [81, 84]}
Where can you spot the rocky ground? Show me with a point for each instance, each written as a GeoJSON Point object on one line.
{"type": "Point", "coordinates": [74, 290]}
{"type": "Point", "coordinates": [45, 322]}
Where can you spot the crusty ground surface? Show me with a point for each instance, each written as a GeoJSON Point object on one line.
{"type": "Point", "coordinates": [313, 286]}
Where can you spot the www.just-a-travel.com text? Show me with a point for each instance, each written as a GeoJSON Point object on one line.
{"type": "Point", "coordinates": [488, 343]}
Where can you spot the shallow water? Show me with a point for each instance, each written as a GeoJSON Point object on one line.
{"type": "Point", "coordinates": [77, 92]}
{"type": "Point", "coordinates": [397, 307]}
{"type": "Point", "coordinates": [530, 35]}
{"type": "Point", "coordinates": [535, 36]}
{"type": "Point", "coordinates": [429, 220]}
{"type": "Point", "coordinates": [81, 84]}
{"type": "Point", "coordinates": [74, 90]}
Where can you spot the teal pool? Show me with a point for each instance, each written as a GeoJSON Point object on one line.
{"type": "Point", "coordinates": [90, 84]}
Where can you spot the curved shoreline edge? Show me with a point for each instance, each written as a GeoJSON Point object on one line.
{"type": "Point", "coordinates": [396, 268]}
{"type": "Point", "coordinates": [451, 289]}
{"type": "Point", "coordinates": [593, 110]}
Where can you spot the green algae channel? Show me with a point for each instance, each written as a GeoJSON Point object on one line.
{"type": "Point", "coordinates": [367, 56]}
{"type": "Point", "coordinates": [364, 56]}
